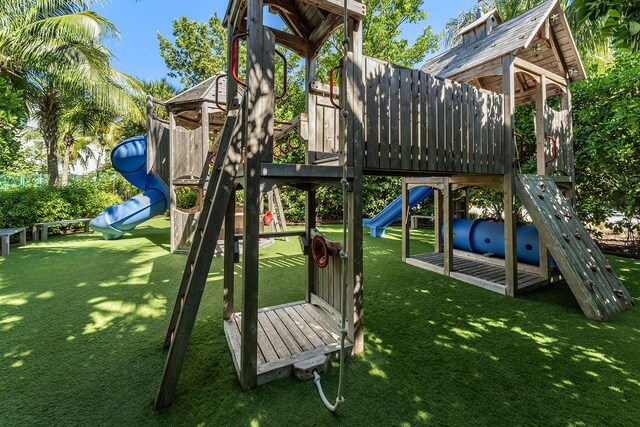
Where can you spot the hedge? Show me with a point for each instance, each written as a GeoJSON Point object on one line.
{"type": "Point", "coordinates": [23, 207]}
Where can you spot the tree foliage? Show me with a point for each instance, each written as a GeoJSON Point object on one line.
{"type": "Point", "coordinates": [198, 51]}
{"type": "Point", "coordinates": [13, 117]}
{"type": "Point", "coordinates": [607, 143]}
{"type": "Point", "coordinates": [619, 19]}
{"type": "Point", "coordinates": [55, 48]}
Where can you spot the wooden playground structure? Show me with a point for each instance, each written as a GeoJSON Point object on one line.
{"type": "Point", "coordinates": [449, 125]}
{"type": "Point", "coordinates": [180, 154]}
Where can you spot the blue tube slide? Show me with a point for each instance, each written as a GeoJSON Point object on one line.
{"type": "Point", "coordinates": [482, 237]}
{"type": "Point", "coordinates": [130, 159]}
{"type": "Point", "coordinates": [393, 211]}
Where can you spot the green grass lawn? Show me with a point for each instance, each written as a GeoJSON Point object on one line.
{"type": "Point", "coordinates": [82, 322]}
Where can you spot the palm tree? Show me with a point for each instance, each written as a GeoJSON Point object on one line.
{"type": "Point", "coordinates": [74, 125]}
{"type": "Point", "coordinates": [55, 48]}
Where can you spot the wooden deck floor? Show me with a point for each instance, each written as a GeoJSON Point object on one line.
{"type": "Point", "coordinates": [287, 334]}
{"type": "Point", "coordinates": [488, 276]}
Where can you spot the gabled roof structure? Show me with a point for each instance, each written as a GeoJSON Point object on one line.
{"type": "Point", "coordinates": [540, 39]}
{"type": "Point", "coordinates": [203, 91]}
{"type": "Point", "coordinates": [311, 22]}
{"type": "Point", "coordinates": [187, 105]}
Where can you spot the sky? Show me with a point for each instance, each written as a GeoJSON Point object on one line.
{"type": "Point", "coordinates": [139, 21]}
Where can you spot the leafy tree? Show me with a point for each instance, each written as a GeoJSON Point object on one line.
{"type": "Point", "coordinates": [619, 19]}
{"type": "Point", "coordinates": [607, 143]}
{"type": "Point", "coordinates": [55, 47]}
{"type": "Point", "coordinates": [199, 50]}
{"type": "Point", "coordinates": [13, 117]}
{"type": "Point", "coordinates": [74, 123]}
{"type": "Point", "coordinates": [132, 125]}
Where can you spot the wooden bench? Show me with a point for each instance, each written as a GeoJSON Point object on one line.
{"type": "Point", "coordinates": [6, 234]}
{"type": "Point", "coordinates": [414, 219]}
{"type": "Point", "coordinates": [40, 230]}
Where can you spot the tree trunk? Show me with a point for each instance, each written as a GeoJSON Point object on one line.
{"type": "Point", "coordinates": [101, 152]}
{"type": "Point", "coordinates": [68, 143]}
{"type": "Point", "coordinates": [50, 110]}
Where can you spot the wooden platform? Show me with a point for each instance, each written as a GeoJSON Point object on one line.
{"type": "Point", "coordinates": [482, 274]}
{"type": "Point", "coordinates": [287, 334]}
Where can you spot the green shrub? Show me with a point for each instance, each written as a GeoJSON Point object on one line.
{"type": "Point", "coordinates": [23, 207]}
{"type": "Point", "coordinates": [113, 182]}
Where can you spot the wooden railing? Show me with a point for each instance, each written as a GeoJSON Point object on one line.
{"type": "Point", "coordinates": [417, 122]}
{"type": "Point", "coordinates": [158, 149]}
{"type": "Point", "coordinates": [558, 142]}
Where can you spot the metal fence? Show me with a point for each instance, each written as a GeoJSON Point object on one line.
{"type": "Point", "coordinates": [15, 180]}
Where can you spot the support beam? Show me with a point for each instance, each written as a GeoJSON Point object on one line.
{"type": "Point", "coordinates": [353, 70]}
{"type": "Point", "coordinates": [229, 257]}
{"type": "Point", "coordinates": [437, 220]}
{"type": "Point", "coordinates": [259, 136]}
{"type": "Point", "coordinates": [290, 15]}
{"type": "Point", "coordinates": [447, 205]}
{"type": "Point", "coordinates": [406, 250]}
{"type": "Point", "coordinates": [532, 68]}
{"type": "Point", "coordinates": [309, 224]}
{"type": "Point", "coordinates": [355, 9]}
{"type": "Point", "coordinates": [509, 189]}
{"type": "Point", "coordinates": [541, 100]}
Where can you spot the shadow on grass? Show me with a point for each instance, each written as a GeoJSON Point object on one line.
{"type": "Point", "coordinates": [83, 320]}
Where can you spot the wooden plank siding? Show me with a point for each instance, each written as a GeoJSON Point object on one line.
{"type": "Point", "coordinates": [416, 122]}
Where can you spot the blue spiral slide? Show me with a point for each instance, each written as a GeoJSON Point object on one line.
{"type": "Point", "coordinates": [393, 211]}
{"type": "Point", "coordinates": [130, 159]}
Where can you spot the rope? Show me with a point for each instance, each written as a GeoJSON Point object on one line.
{"type": "Point", "coordinates": [345, 212]}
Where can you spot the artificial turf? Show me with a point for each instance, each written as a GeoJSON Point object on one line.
{"type": "Point", "coordinates": [82, 321]}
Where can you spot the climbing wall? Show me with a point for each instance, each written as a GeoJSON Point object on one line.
{"type": "Point", "coordinates": [598, 290]}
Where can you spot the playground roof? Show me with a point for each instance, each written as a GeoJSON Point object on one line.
{"type": "Point", "coordinates": [309, 22]}
{"type": "Point", "coordinates": [187, 105]}
{"type": "Point", "coordinates": [203, 91]}
{"type": "Point", "coordinates": [481, 20]}
{"type": "Point", "coordinates": [540, 36]}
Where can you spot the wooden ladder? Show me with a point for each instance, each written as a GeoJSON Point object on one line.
{"type": "Point", "coordinates": [598, 290]}
{"type": "Point", "coordinates": [217, 195]}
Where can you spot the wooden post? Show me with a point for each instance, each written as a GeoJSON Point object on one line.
{"type": "Point", "coordinates": [447, 205]}
{"type": "Point", "coordinates": [353, 84]}
{"type": "Point", "coordinates": [6, 245]}
{"type": "Point", "coordinates": [273, 226]}
{"type": "Point", "coordinates": [437, 220]}
{"type": "Point", "coordinates": [509, 186]}
{"type": "Point", "coordinates": [406, 250]}
{"type": "Point", "coordinates": [309, 223]}
{"type": "Point", "coordinates": [172, 189]}
{"type": "Point", "coordinates": [566, 105]}
{"type": "Point", "coordinates": [541, 100]}
{"type": "Point", "coordinates": [259, 107]}
{"type": "Point", "coordinates": [229, 257]}
{"type": "Point", "coordinates": [204, 124]}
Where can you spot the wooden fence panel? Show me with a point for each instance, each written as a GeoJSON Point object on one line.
{"type": "Point", "coordinates": [416, 122]}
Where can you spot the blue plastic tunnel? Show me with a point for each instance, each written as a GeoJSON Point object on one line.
{"type": "Point", "coordinates": [487, 237]}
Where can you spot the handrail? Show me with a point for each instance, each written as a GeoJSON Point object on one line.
{"type": "Point", "coordinates": [331, 85]}
{"type": "Point", "coordinates": [554, 149]}
{"type": "Point", "coordinates": [284, 60]}
{"type": "Point", "coordinates": [234, 64]}
{"type": "Point", "coordinates": [234, 57]}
